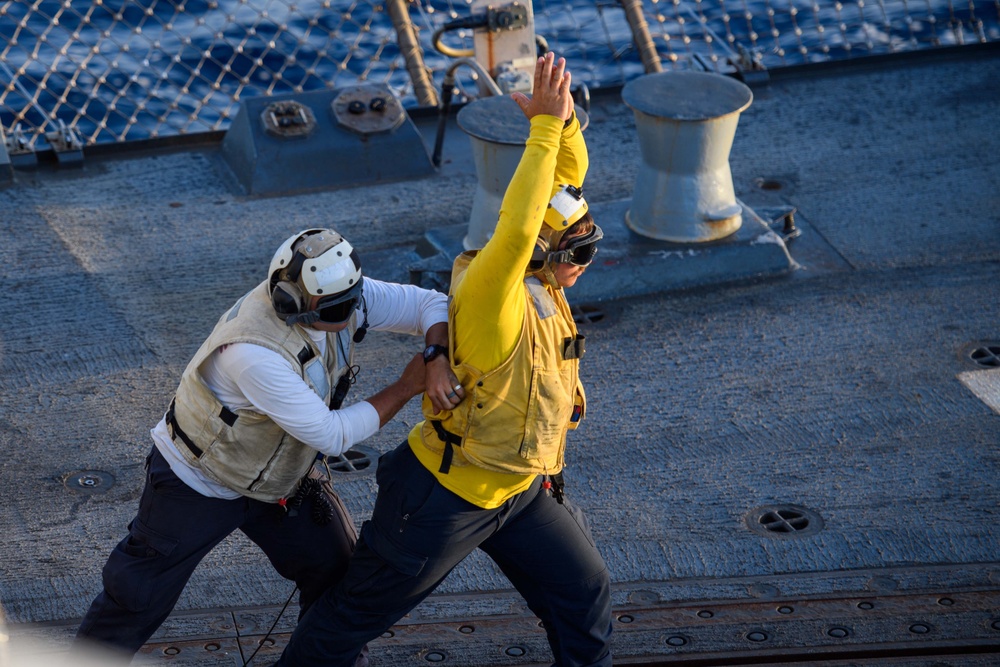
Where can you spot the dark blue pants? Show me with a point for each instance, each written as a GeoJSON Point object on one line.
{"type": "Point", "coordinates": [420, 531]}
{"type": "Point", "coordinates": [176, 527]}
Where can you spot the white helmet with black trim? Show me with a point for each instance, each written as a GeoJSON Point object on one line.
{"type": "Point", "coordinates": [315, 262]}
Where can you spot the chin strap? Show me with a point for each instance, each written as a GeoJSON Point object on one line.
{"type": "Point", "coordinates": [546, 275]}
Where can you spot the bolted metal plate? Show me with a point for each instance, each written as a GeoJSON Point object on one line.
{"type": "Point", "coordinates": [288, 119]}
{"type": "Point", "coordinates": [368, 109]}
{"type": "Point", "coordinates": [88, 481]}
{"type": "Point", "coordinates": [784, 521]}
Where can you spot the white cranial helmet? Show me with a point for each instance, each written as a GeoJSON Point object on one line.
{"type": "Point", "coordinates": [314, 262]}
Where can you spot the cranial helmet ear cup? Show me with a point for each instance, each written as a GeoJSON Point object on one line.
{"type": "Point", "coordinates": [287, 299]}
{"type": "Point", "coordinates": [286, 295]}
{"type": "Point", "coordinates": [539, 254]}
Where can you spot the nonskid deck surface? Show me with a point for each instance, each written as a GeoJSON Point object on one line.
{"type": "Point", "coordinates": [796, 469]}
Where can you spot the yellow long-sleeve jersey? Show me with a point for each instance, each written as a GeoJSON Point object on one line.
{"type": "Point", "coordinates": [489, 303]}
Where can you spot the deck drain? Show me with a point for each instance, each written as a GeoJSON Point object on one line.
{"type": "Point", "coordinates": [784, 521]}
{"type": "Point", "coordinates": [88, 481]}
{"type": "Point", "coordinates": [768, 184]}
{"type": "Point", "coordinates": [987, 355]}
{"type": "Point", "coordinates": [587, 314]}
{"type": "Point", "coordinates": [355, 461]}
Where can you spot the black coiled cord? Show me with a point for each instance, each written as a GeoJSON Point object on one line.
{"type": "Point", "coordinates": [322, 509]}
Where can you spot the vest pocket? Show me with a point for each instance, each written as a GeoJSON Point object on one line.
{"type": "Point", "coordinates": [550, 406]}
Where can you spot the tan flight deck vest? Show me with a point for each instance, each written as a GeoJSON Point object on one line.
{"type": "Point", "coordinates": [245, 450]}
{"type": "Point", "coordinates": [515, 417]}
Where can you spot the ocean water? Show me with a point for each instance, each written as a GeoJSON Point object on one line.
{"type": "Point", "coordinates": [118, 70]}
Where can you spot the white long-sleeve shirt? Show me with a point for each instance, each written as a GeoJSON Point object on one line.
{"type": "Point", "coordinates": [248, 376]}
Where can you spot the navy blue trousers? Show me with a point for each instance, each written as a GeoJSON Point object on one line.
{"type": "Point", "coordinates": [420, 531]}
{"type": "Point", "coordinates": [176, 527]}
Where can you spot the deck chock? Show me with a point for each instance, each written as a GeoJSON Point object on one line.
{"type": "Point", "coordinates": [18, 149]}
{"type": "Point", "coordinates": [6, 168]}
{"type": "Point", "coordinates": [628, 264]}
{"type": "Point", "coordinates": [66, 145]}
{"type": "Point", "coordinates": [750, 67]}
{"type": "Point", "coordinates": [322, 140]}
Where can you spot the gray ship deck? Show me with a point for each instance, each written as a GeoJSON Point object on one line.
{"type": "Point", "coordinates": [844, 390]}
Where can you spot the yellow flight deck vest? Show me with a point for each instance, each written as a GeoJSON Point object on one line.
{"type": "Point", "coordinates": [514, 418]}
{"type": "Point", "coordinates": [245, 450]}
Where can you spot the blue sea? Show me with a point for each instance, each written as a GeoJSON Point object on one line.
{"type": "Point", "coordinates": [117, 70]}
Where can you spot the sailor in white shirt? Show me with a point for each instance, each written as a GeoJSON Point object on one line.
{"type": "Point", "coordinates": [242, 443]}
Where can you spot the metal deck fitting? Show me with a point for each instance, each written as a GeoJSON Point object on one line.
{"type": "Point", "coordinates": [686, 122]}
{"type": "Point", "coordinates": [286, 144]}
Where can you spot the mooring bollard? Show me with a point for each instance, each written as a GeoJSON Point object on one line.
{"type": "Point", "coordinates": [686, 123]}
{"type": "Point", "coordinates": [498, 131]}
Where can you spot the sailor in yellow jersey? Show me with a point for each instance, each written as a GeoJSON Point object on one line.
{"type": "Point", "coordinates": [484, 474]}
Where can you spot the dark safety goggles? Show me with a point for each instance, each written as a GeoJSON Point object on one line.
{"type": "Point", "coordinates": [338, 309]}
{"type": "Point", "coordinates": [579, 250]}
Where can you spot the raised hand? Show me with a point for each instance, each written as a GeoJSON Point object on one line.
{"type": "Point", "coordinates": [551, 90]}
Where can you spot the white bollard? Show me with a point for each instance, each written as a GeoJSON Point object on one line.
{"type": "Point", "coordinates": [686, 123]}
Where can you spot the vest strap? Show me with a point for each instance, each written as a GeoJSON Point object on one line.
{"type": "Point", "coordinates": [450, 440]}
{"type": "Point", "coordinates": [225, 414]}
{"type": "Point", "coordinates": [305, 354]}
{"type": "Point", "coordinates": [176, 432]}
{"type": "Point", "coordinates": [228, 416]}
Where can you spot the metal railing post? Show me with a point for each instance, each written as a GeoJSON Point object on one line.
{"type": "Point", "coordinates": [409, 47]}
{"type": "Point", "coordinates": [640, 34]}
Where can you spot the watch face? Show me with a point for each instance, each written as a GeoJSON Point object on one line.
{"type": "Point", "coordinates": [433, 351]}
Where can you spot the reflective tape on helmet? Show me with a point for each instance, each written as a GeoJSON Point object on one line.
{"type": "Point", "coordinates": [332, 272]}
{"type": "Point", "coordinates": [565, 208]}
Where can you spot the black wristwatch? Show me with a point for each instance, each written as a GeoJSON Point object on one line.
{"type": "Point", "coordinates": [432, 352]}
